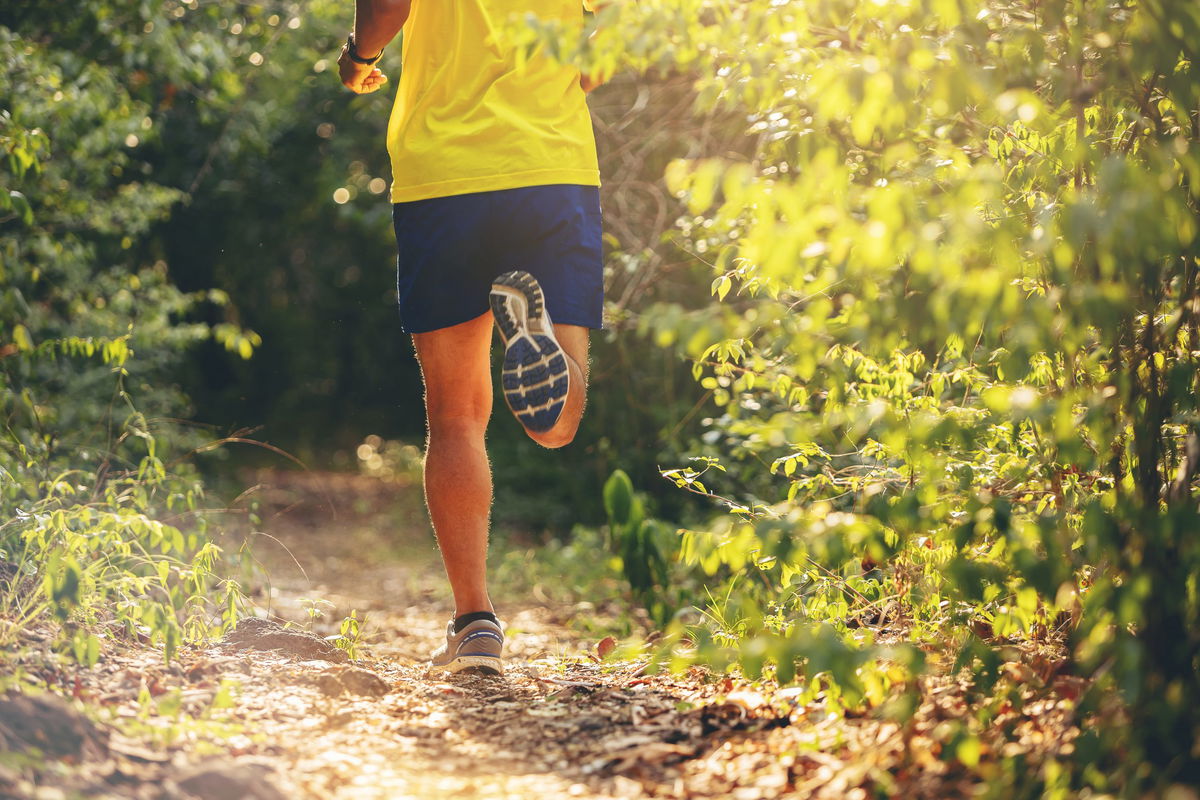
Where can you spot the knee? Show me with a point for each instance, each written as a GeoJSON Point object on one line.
{"type": "Point", "coordinates": [458, 418]}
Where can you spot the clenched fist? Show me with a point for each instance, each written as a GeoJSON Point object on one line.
{"type": "Point", "coordinates": [359, 78]}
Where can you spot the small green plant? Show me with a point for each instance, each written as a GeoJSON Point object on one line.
{"type": "Point", "coordinates": [639, 544]}
{"type": "Point", "coordinates": [349, 634]}
{"type": "Point", "coordinates": [314, 609]}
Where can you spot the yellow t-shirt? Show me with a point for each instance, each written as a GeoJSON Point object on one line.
{"type": "Point", "coordinates": [467, 118]}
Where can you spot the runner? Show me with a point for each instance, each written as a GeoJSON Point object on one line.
{"type": "Point", "coordinates": [496, 208]}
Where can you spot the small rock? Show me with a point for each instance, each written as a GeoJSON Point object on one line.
{"type": "Point", "coordinates": [352, 681]}
{"type": "Point", "coordinates": [330, 684]}
{"type": "Point", "coordinates": [229, 780]}
{"type": "Point", "coordinates": [262, 634]}
{"type": "Point", "coordinates": [48, 724]}
{"type": "Point", "coordinates": [365, 682]}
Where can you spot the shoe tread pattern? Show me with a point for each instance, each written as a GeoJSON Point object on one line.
{"type": "Point", "coordinates": [535, 376]}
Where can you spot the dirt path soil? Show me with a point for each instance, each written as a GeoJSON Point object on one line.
{"type": "Point", "coordinates": [242, 719]}
{"type": "Point", "coordinates": [559, 722]}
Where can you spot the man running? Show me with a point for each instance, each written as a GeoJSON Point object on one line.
{"type": "Point", "coordinates": [496, 208]}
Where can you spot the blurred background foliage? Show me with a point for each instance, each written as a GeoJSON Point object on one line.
{"type": "Point", "coordinates": [195, 251]}
{"type": "Point", "coordinates": [902, 302]}
{"type": "Point", "coordinates": [255, 173]}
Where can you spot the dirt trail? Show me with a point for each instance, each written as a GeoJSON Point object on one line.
{"type": "Point", "coordinates": [558, 723]}
{"type": "Point", "coordinates": [229, 720]}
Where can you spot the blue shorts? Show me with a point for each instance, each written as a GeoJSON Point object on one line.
{"type": "Point", "coordinates": [450, 249]}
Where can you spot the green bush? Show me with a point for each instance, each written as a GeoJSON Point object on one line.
{"type": "Point", "coordinates": [954, 353]}
{"type": "Point", "coordinates": [100, 514]}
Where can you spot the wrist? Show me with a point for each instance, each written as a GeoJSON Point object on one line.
{"type": "Point", "coordinates": [356, 56]}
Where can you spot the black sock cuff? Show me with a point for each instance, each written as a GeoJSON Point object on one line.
{"type": "Point", "coordinates": [463, 621]}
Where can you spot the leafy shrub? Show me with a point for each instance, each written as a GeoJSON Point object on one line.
{"type": "Point", "coordinates": [99, 524]}
{"type": "Point", "coordinates": [83, 540]}
{"type": "Point", "coordinates": [954, 355]}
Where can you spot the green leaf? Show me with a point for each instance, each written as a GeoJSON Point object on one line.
{"type": "Point", "coordinates": [21, 338]}
{"type": "Point", "coordinates": [721, 286]}
{"type": "Point", "coordinates": [21, 205]}
{"type": "Point", "coordinates": [618, 498]}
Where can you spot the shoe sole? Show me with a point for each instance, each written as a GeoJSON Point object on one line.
{"type": "Point", "coordinates": [535, 377]}
{"type": "Point", "coordinates": [486, 665]}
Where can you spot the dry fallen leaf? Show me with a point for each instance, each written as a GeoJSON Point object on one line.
{"type": "Point", "coordinates": [605, 646]}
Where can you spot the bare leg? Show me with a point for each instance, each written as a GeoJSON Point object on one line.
{"type": "Point", "coordinates": [456, 366]}
{"type": "Point", "coordinates": [574, 341]}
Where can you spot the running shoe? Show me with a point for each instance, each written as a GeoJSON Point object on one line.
{"type": "Point", "coordinates": [535, 376]}
{"type": "Point", "coordinates": [477, 646]}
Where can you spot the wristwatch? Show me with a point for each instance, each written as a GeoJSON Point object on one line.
{"type": "Point", "coordinates": [352, 51]}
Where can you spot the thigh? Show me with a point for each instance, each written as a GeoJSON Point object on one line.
{"type": "Point", "coordinates": [444, 249]}
{"type": "Point", "coordinates": [456, 366]}
{"type": "Point", "coordinates": [556, 237]}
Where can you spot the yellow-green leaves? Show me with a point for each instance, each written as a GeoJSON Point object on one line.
{"type": "Point", "coordinates": [963, 241]}
{"type": "Point", "coordinates": [20, 337]}
{"type": "Point", "coordinates": [236, 339]}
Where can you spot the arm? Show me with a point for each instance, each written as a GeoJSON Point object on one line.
{"type": "Point", "coordinates": [376, 22]}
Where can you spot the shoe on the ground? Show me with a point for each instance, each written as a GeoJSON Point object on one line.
{"type": "Point", "coordinates": [535, 377]}
{"type": "Point", "coordinates": [477, 646]}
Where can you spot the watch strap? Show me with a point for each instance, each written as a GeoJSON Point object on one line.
{"type": "Point", "coordinates": [352, 51]}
